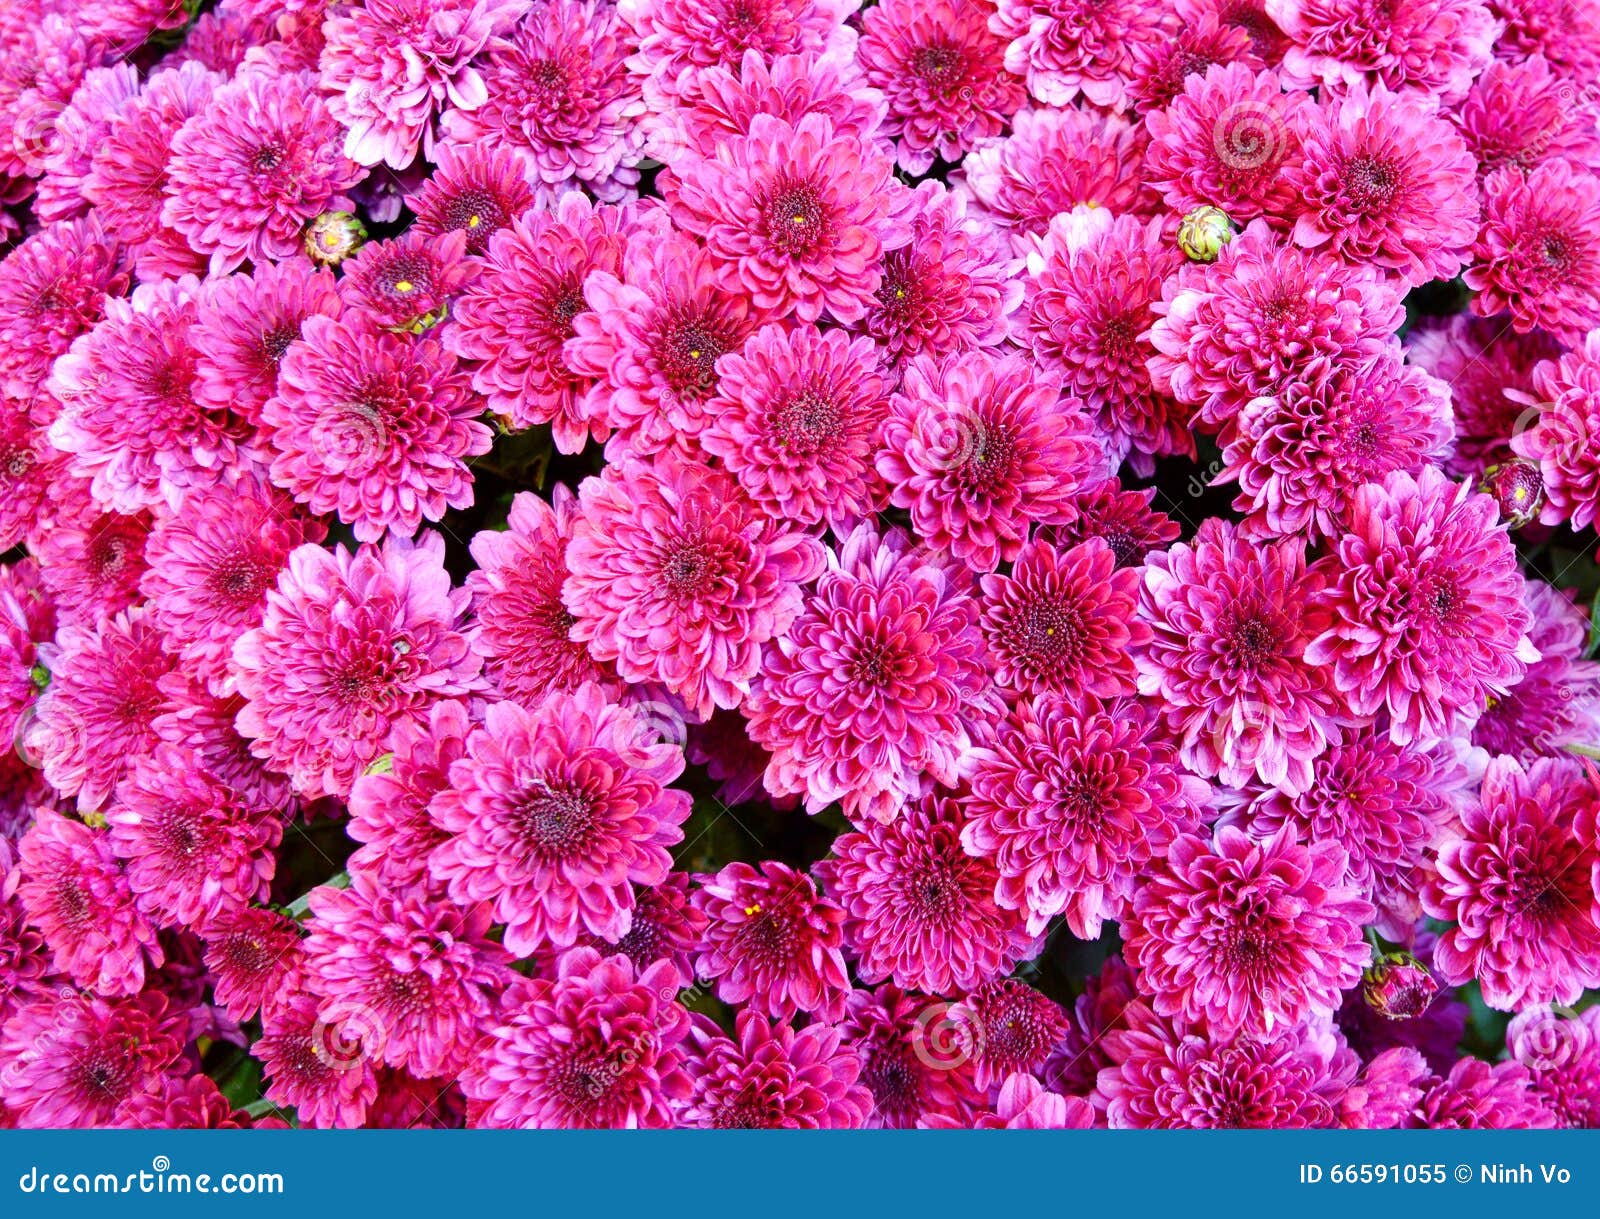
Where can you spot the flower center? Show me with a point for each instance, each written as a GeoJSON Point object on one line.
{"type": "Point", "coordinates": [240, 578]}
{"type": "Point", "coordinates": [555, 821]}
{"type": "Point", "coordinates": [795, 219]}
{"type": "Point", "coordinates": [687, 350]}
{"type": "Point", "coordinates": [1371, 183]}
{"type": "Point", "coordinates": [804, 422]}
{"type": "Point", "coordinates": [935, 62]}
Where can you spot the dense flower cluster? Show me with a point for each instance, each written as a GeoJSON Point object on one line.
{"type": "Point", "coordinates": [814, 563]}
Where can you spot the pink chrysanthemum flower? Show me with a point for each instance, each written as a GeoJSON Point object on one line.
{"type": "Point", "coordinates": [80, 129]}
{"type": "Point", "coordinates": [917, 908]}
{"type": "Point", "coordinates": [1557, 703]}
{"type": "Point", "coordinates": [27, 968]}
{"type": "Point", "coordinates": [1562, 1051]}
{"type": "Point", "coordinates": [90, 561]}
{"type": "Point", "coordinates": [96, 715]}
{"type": "Point", "coordinates": [128, 173]}
{"type": "Point", "coordinates": [1087, 314]}
{"type": "Point", "coordinates": [554, 813]}
{"type": "Point", "coordinates": [374, 426]}
{"type": "Point", "coordinates": [1478, 1096]}
{"type": "Point", "coordinates": [210, 565]}
{"type": "Point", "coordinates": [409, 282]}
{"type": "Point", "coordinates": [789, 87]}
{"type": "Point", "coordinates": [1565, 32]}
{"type": "Point", "coordinates": [512, 321]}
{"type": "Point", "coordinates": [1385, 804]}
{"type": "Point", "coordinates": [798, 416]}
{"type": "Point", "coordinates": [678, 578]}
{"type": "Point", "coordinates": [905, 1063]}
{"type": "Point", "coordinates": [1125, 520]}
{"type": "Point", "coordinates": [1565, 419]}
{"type": "Point", "coordinates": [772, 942]}
{"type": "Point", "coordinates": [195, 1103]}
{"type": "Point", "coordinates": [979, 448]}
{"type": "Point", "coordinates": [796, 216]}
{"type": "Point", "coordinates": [391, 64]}
{"type": "Point", "coordinates": [1233, 620]}
{"type": "Point", "coordinates": [948, 289]}
{"type": "Point", "coordinates": [1521, 114]}
{"type": "Point", "coordinates": [596, 1047]}
{"type": "Point", "coordinates": [74, 890]}
{"type": "Point", "coordinates": [258, 161]}
{"type": "Point", "coordinates": [130, 416]}
{"type": "Point", "coordinates": [1172, 1076]}
{"type": "Point", "coordinates": [191, 847]}
{"type": "Point", "coordinates": [556, 89]}
{"type": "Point", "coordinates": [1064, 620]}
{"type": "Point", "coordinates": [350, 646]}
{"type": "Point", "coordinates": [1538, 253]}
{"type": "Point", "coordinates": [244, 326]}
{"type": "Point", "coordinates": [1431, 46]}
{"type": "Point", "coordinates": [769, 1077]}
{"type": "Point", "coordinates": [1064, 47]}
{"type": "Point", "coordinates": [27, 620]}
{"type": "Point", "coordinates": [53, 287]}
{"type": "Point", "coordinates": [1425, 607]}
{"type": "Point", "coordinates": [1300, 455]}
{"type": "Point", "coordinates": [475, 189]}
{"type": "Point", "coordinates": [680, 39]}
{"type": "Point", "coordinates": [665, 927]}
{"type": "Point", "coordinates": [524, 630]}
{"type": "Point", "coordinates": [389, 806]}
{"type": "Point", "coordinates": [1517, 877]}
{"type": "Point", "coordinates": [255, 959]}
{"type": "Point", "coordinates": [888, 638]}
{"type": "Point", "coordinates": [29, 467]}
{"type": "Point", "coordinates": [1385, 179]}
{"type": "Point", "coordinates": [1248, 936]}
{"type": "Point", "coordinates": [1002, 1027]}
{"type": "Point", "coordinates": [72, 1061]}
{"type": "Point", "coordinates": [322, 1069]}
{"type": "Point", "coordinates": [1054, 161]}
{"type": "Point", "coordinates": [1230, 140]}
{"type": "Point", "coordinates": [420, 970]}
{"type": "Point", "coordinates": [1251, 323]}
{"type": "Point", "coordinates": [1071, 801]}
{"type": "Point", "coordinates": [942, 73]}
{"type": "Point", "coordinates": [1480, 358]}
{"type": "Point", "coordinates": [1160, 67]}
{"type": "Point", "coordinates": [649, 336]}
{"type": "Point", "coordinates": [202, 724]}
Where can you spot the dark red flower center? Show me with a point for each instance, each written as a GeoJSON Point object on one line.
{"type": "Point", "coordinates": [1371, 183]}
{"type": "Point", "coordinates": [556, 820]}
{"type": "Point", "coordinates": [687, 347]}
{"type": "Point", "coordinates": [804, 422]}
{"type": "Point", "coordinates": [796, 219]}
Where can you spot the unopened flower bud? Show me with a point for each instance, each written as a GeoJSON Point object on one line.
{"type": "Point", "coordinates": [333, 236]}
{"type": "Point", "coordinates": [1204, 232]}
{"type": "Point", "coordinates": [1517, 488]}
{"type": "Point", "coordinates": [1398, 986]}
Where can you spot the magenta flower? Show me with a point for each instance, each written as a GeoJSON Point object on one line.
{"type": "Point", "coordinates": [554, 812]}
{"type": "Point", "coordinates": [918, 909]}
{"type": "Point", "coordinates": [1477, 1096]}
{"type": "Point", "coordinates": [323, 1069]}
{"type": "Point", "coordinates": [1431, 46]}
{"type": "Point", "coordinates": [772, 941]}
{"type": "Point", "coordinates": [1064, 620]}
{"type": "Point", "coordinates": [1562, 1051]}
{"type": "Point", "coordinates": [889, 638]}
{"type": "Point", "coordinates": [1557, 703]}
{"type": "Point", "coordinates": [255, 958]}
{"type": "Point", "coordinates": [476, 190]}
{"type": "Point", "coordinates": [1161, 66]}
{"type": "Point", "coordinates": [1385, 180]}
{"type": "Point", "coordinates": [596, 1047]}
{"type": "Point", "coordinates": [374, 426]}
{"type": "Point", "coordinates": [260, 159]}
{"type": "Point", "coordinates": [1124, 520]}
{"type": "Point", "coordinates": [1071, 801]}
{"type": "Point", "coordinates": [1067, 47]}
{"type": "Point", "coordinates": [898, 1037]}
{"type": "Point", "coordinates": [675, 576]}
{"type": "Point", "coordinates": [1518, 876]}
{"type": "Point", "coordinates": [942, 73]}
{"type": "Point", "coordinates": [978, 448]}
{"type": "Point", "coordinates": [1457, 637]}
{"type": "Point", "coordinates": [1003, 1027]}
{"type": "Point", "coordinates": [769, 1077]}
{"type": "Point", "coordinates": [73, 889]}
{"type": "Point", "coordinates": [798, 415]}
{"type": "Point", "coordinates": [795, 216]}
{"type": "Point", "coordinates": [1566, 395]}
{"type": "Point", "coordinates": [90, 562]}
{"type": "Point", "coordinates": [391, 65]}
{"type": "Point", "coordinates": [1520, 114]}
{"type": "Point", "coordinates": [407, 283]}
{"type": "Point", "coordinates": [1249, 937]}
{"type": "Point", "coordinates": [350, 646]}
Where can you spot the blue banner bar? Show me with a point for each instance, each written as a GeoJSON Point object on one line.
{"type": "Point", "coordinates": [375, 1174]}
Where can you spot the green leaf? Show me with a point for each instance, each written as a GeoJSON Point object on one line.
{"type": "Point", "coordinates": [301, 906]}
{"type": "Point", "coordinates": [1594, 630]}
